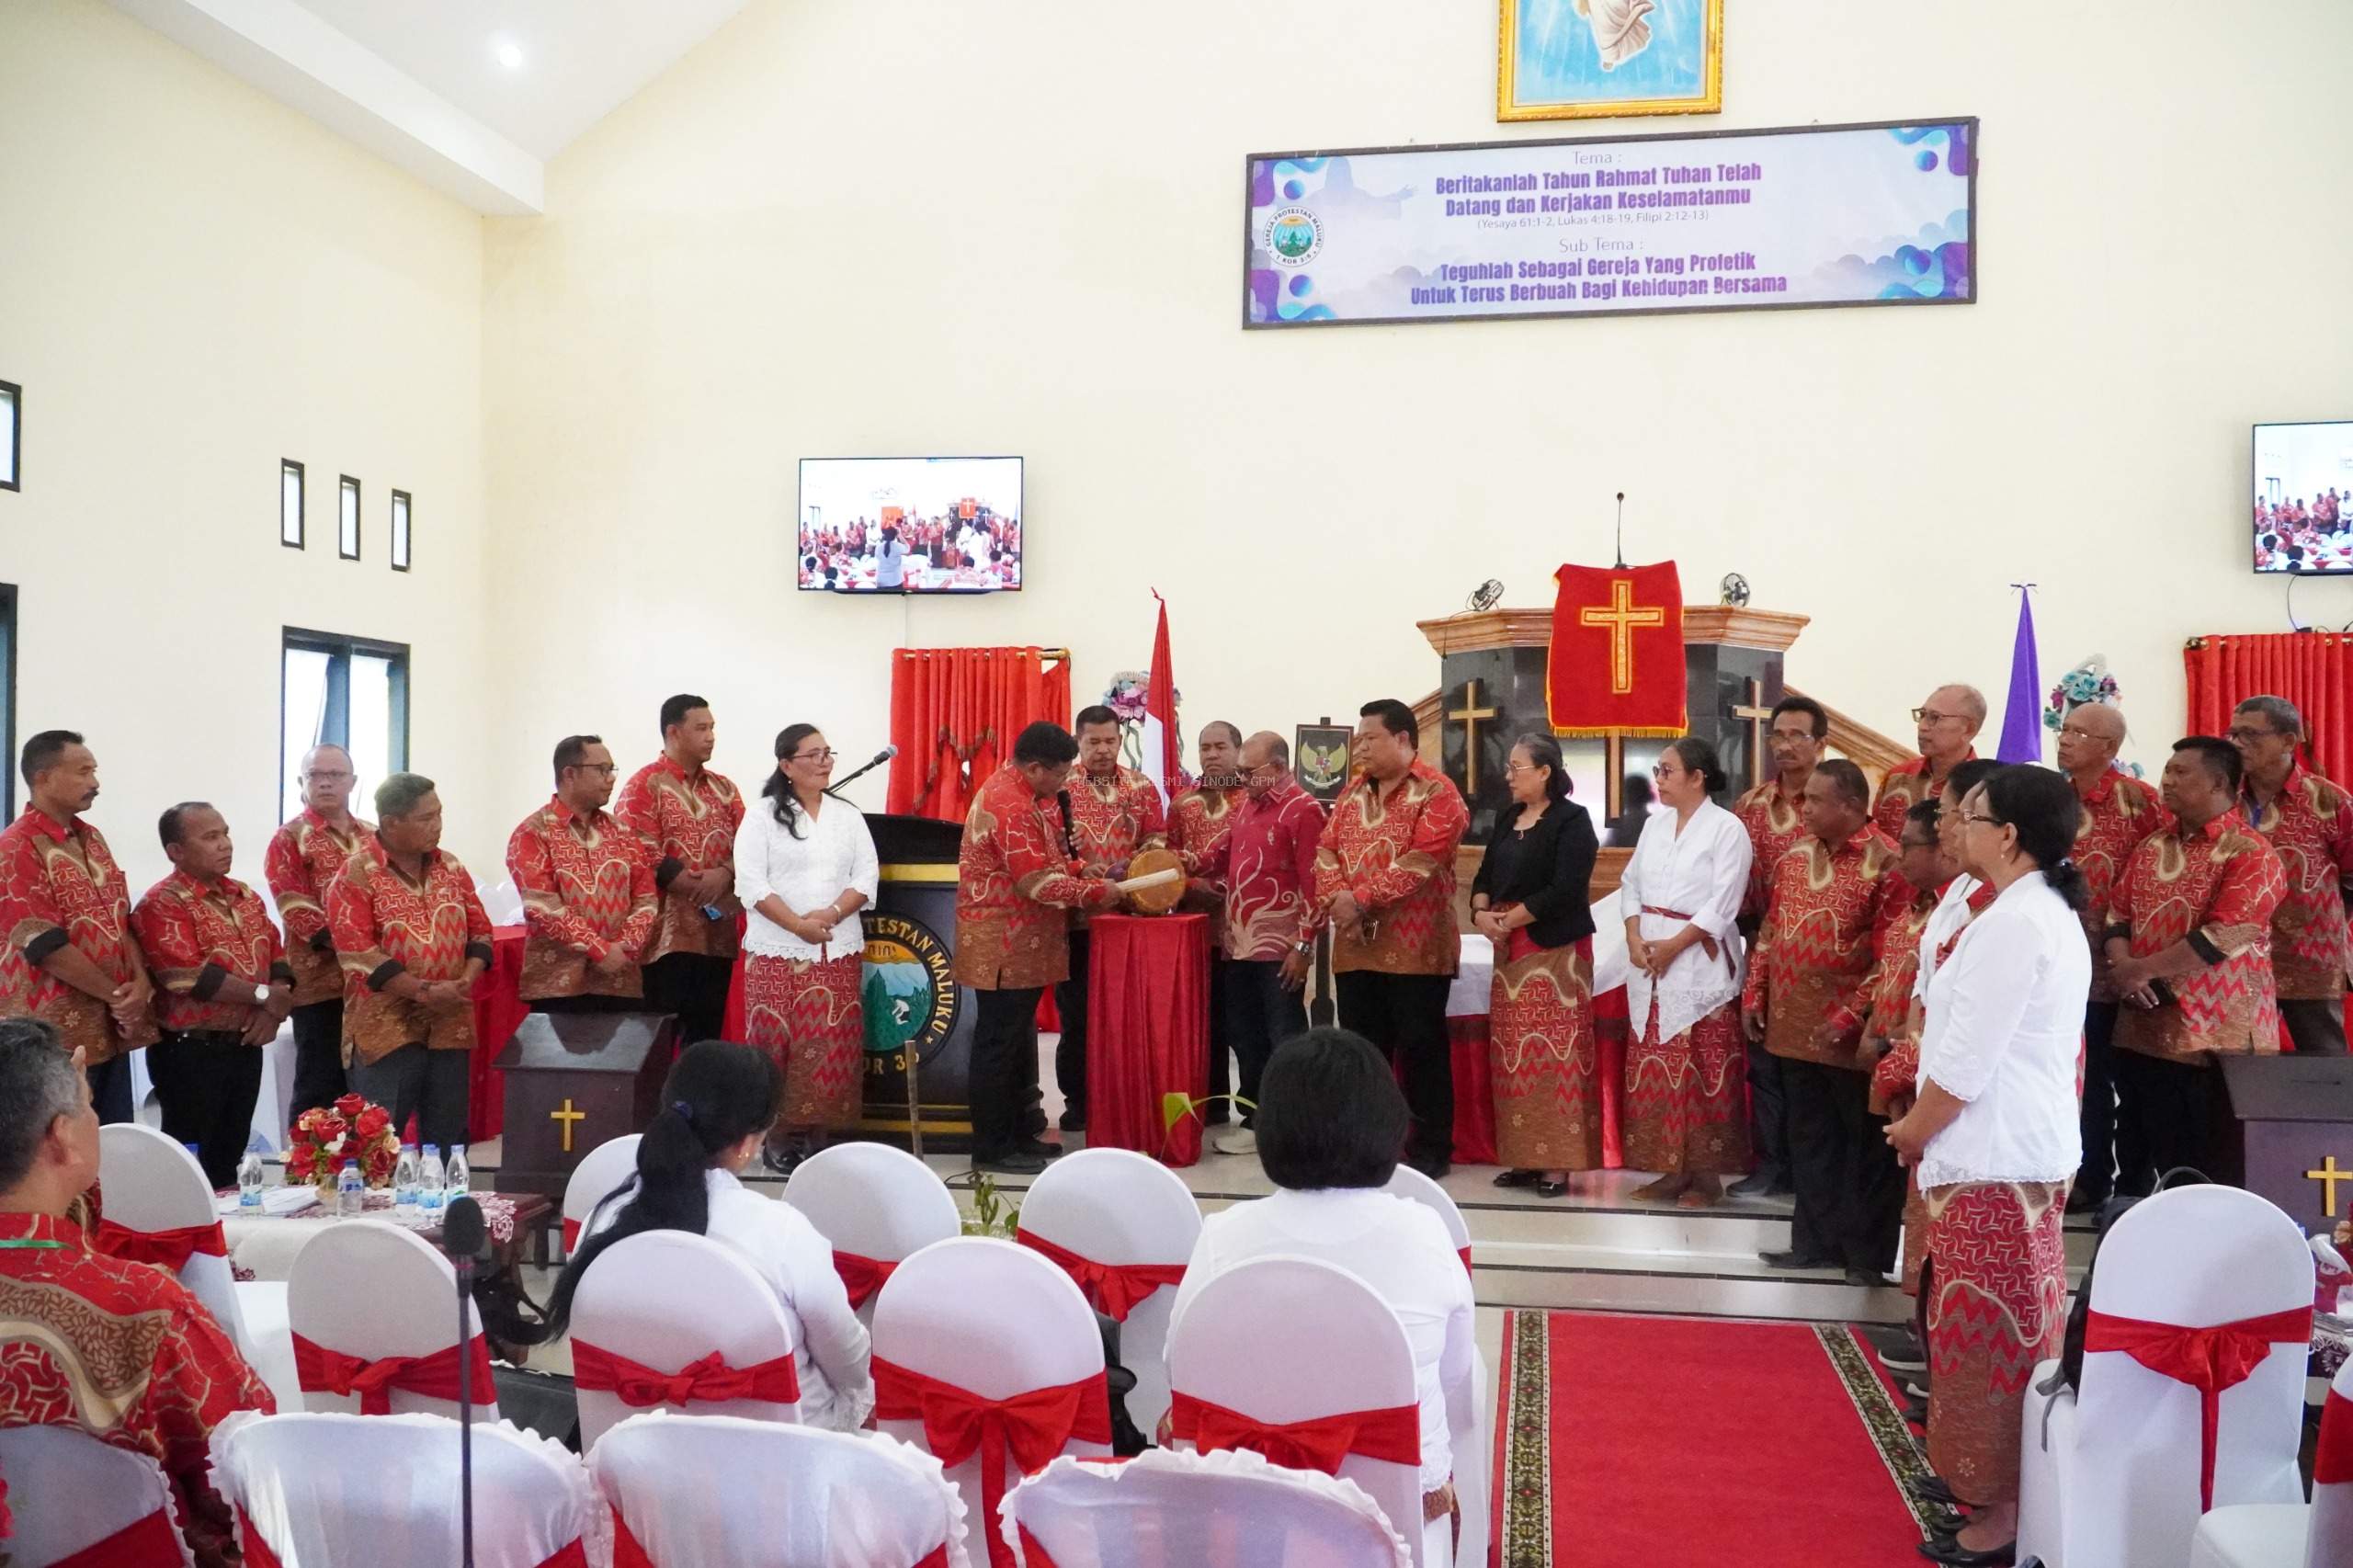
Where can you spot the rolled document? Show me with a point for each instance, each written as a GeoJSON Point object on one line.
{"type": "Point", "coordinates": [1150, 880]}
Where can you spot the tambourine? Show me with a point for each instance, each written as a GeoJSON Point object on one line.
{"type": "Point", "coordinates": [1156, 882]}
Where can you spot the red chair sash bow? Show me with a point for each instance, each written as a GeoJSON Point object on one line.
{"type": "Point", "coordinates": [1115, 1290]}
{"type": "Point", "coordinates": [321, 1370]}
{"type": "Point", "coordinates": [1034, 1425]}
{"type": "Point", "coordinates": [2208, 1359]}
{"type": "Point", "coordinates": [628, 1552]}
{"type": "Point", "coordinates": [140, 1544]}
{"type": "Point", "coordinates": [2332, 1464]}
{"type": "Point", "coordinates": [1393, 1434]}
{"type": "Point", "coordinates": [1464, 1254]}
{"type": "Point", "coordinates": [706, 1381]}
{"type": "Point", "coordinates": [259, 1555]}
{"type": "Point", "coordinates": [862, 1277]}
{"type": "Point", "coordinates": [166, 1249]}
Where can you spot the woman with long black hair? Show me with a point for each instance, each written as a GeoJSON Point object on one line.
{"type": "Point", "coordinates": [804, 867]}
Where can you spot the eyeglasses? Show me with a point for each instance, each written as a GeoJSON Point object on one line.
{"type": "Point", "coordinates": [607, 768]}
{"type": "Point", "coordinates": [1967, 818]}
{"type": "Point", "coordinates": [2078, 731]}
{"type": "Point", "coordinates": [1930, 716]}
{"type": "Point", "coordinates": [2238, 732]}
{"type": "Point", "coordinates": [826, 756]}
{"type": "Point", "coordinates": [330, 775]}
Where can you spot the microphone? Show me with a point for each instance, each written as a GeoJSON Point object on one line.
{"type": "Point", "coordinates": [466, 1242]}
{"type": "Point", "coordinates": [876, 760]}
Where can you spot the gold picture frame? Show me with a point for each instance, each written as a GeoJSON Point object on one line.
{"type": "Point", "coordinates": [1573, 73]}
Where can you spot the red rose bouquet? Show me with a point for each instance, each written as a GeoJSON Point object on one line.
{"type": "Point", "coordinates": [321, 1140]}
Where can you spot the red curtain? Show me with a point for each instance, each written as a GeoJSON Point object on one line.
{"type": "Point", "coordinates": [2312, 669]}
{"type": "Point", "coordinates": [954, 713]}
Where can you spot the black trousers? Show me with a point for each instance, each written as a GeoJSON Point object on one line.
{"type": "Point", "coordinates": [1768, 1115]}
{"type": "Point", "coordinates": [318, 1055]}
{"type": "Point", "coordinates": [206, 1083]}
{"type": "Point", "coordinates": [1849, 1186]}
{"type": "Point", "coordinates": [2168, 1107]}
{"type": "Point", "coordinates": [110, 1090]}
{"type": "Point", "coordinates": [1005, 1035]}
{"type": "Point", "coordinates": [693, 988]}
{"type": "Point", "coordinates": [429, 1085]}
{"type": "Point", "coordinates": [1404, 1015]}
{"type": "Point", "coordinates": [2109, 1143]}
{"type": "Point", "coordinates": [2317, 1027]}
{"type": "Point", "coordinates": [1070, 1050]}
{"type": "Point", "coordinates": [1221, 1109]}
{"type": "Point", "coordinates": [1260, 1015]}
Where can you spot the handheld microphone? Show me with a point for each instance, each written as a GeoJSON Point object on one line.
{"type": "Point", "coordinates": [465, 1240]}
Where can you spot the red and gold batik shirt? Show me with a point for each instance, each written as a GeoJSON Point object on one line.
{"type": "Point", "coordinates": [1268, 865]}
{"type": "Point", "coordinates": [2309, 824]}
{"type": "Point", "coordinates": [1817, 954]}
{"type": "Point", "coordinates": [207, 945]}
{"type": "Point", "coordinates": [59, 884]}
{"type": "Point", "coordinates": [1199, 822]}
{"type": "Point", "coordinates": [1110, 819]}
{"type": "Point", "coordinates": [687, 826]}
{"type": "Point", "coordinates": [2217, 888]}
{"type": "Point", "coordinates": [1394, 852]}
{"type": "Point", "coordinates": [385, 926]}
{"type": "Point", "coordinates": [587, 886]}
{"type": "Point", "coordinates": [1774, 828]}
{"type": "Point", "coordinates": [1017, 882]}
{"type": "Point", "coordinates": [1905, 786]}
{"type": "Point", "coordinates": [2118, 813]}
{"type": "Point", "coordinates": [304, 858]}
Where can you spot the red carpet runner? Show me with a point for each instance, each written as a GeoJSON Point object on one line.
{"type": "Point", "coordinates": [1637, 1442]}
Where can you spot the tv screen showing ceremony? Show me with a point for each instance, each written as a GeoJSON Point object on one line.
{"type": "Point", "coordinates": [910, 525]}
{"type": "Point", "coordinates": [2304, 497]}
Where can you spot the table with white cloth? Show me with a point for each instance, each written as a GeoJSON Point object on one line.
{"type": "Point", "coordinates": [265, 1248]}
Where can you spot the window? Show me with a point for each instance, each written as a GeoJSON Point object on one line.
{"type": "Point", "coordinates": [400, 531]}
{"type": "Point", "coordinates": [8, 700]}
{"type": "Point", "coordinates": [289, 504]}
{"type": "Point", "coordinates": [343, 691]}
{"type": "Point", "coordinates": [12, 434]}
{"type": "Point", "coordinates": [347, 538]}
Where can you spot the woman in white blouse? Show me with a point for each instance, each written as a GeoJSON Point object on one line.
{"type": "Point", "coordinates": [1687, 1112]}
{"type": "Point", "coordinates": [804, 867]}
{"type": "Point", "coordinates": [1994, 1135]}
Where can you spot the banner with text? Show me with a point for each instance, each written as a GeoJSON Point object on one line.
{"type": "Point", "coordinates": [1807, 216]}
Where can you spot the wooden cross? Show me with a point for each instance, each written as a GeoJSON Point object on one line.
{"type": "Point", "coordinates": [568, 1115]}
{"type": "Point", "coordinates": [1757, 714]}
{"type": "Point", "coordinates": [2328, 1175]}
{"type": "Point", "coordinates": [1622, 617]}
{"type": "Point", "coordinates": [1469, 713]}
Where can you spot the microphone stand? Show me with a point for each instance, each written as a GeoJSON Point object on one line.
{"type": "Point", "coordinates": [461, 1238]}
{"type": "Point", "coordinates": [874, 762]}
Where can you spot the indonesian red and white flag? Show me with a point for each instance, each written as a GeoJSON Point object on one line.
{"type": "Point", "coordinates": [1163, 752]}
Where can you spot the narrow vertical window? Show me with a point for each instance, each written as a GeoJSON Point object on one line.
{"type": "Point", "coordinates": [289, 504]}
{"type": "Point", "coordinates": [347, 542]}
{"type": "Point", "coordinates": [12, 434]}
{"type": "Point", "coordinates": [400, 531]}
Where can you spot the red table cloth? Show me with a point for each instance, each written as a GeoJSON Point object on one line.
{"type": "Point", "coordinates": [499, 1009]}
{"type": "Point", "coordinates": [1147, 1031]}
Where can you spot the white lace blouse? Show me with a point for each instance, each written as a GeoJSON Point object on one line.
{"type": "Point", "coordinates": [834, 851]}
{"type": "Point", "coordinates": [1701, 872]}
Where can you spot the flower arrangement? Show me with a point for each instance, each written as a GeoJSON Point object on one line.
{"type": "Point", "coordinates": [321, 1140]}
{"type": "Point", "coordinates": [2087, 682]}
{"type": "Point", "coordinates": [1126, 696]}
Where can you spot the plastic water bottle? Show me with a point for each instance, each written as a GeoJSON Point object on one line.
{"type": "Point", "coordinates": [405, 1176]}
{"type": "Point", "coordinates": [350, 1194]}
{"type": "Point", "coordinates": [249, 1184]}
{"type": "Point", "coordinates": [459, 1180]}
{"type": "Point", "coordinates": [428, 1181]}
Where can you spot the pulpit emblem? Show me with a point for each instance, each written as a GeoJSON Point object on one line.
{"type": "Point", "coordinates": [909, 994]}
{"type": "Point", "coordinates": [1295, 236]}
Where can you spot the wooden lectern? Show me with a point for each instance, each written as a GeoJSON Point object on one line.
{"type": "Point", "coordinates": [2287, 1134]}
{"type": "Point", "coordinates": [573, 1080]}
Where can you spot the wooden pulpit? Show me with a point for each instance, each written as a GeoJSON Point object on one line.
{"type": "Point", "coordinates": [2287, 1134]}
{"type": "Point", "coordinates": [573, 1080]}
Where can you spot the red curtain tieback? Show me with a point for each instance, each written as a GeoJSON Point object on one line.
{"type": "Point", "coordinates": [1115, 1290]}
{"type": "Point", "coordinates": [707, 1381]}
{"type": "Point", "coordinates": [141, 1544]}
{"type": "Point", "coordinates": [2334, 1463]}
{"type": "Point", "coordinates": [629, 1553]}
{"type": "Point", "coordinates": [166, 1249]}
{"type": "Point", "coordinates": [1393, 1434]}
{"type": "Point", "coordinates": [321, 1371]}
{"type": "Point", "coordinates": [1035, 1426]}
{"type": "Point", "coordinates": [259, 1555]}
{"type": "Point", "coordinates": [862, 1277]}
{"type": "Point", "coordinates": [2209, 1360]}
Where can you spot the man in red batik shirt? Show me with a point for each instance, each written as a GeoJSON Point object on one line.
{"type": "Point", "coordinates": [222, 979]}
{"type": "Point", "coordinates": [685, 815]}
{"type": "Point", "coordinates": [1773, 813]}
{"type": "Point", "coordinates": [587, 886]}
{"type": "Point", "coordinates": [67, 954]}
{"type": "Point", "coordinates": [1384, 876]}
{"type": "Point", "coordinates": [1811, 981]}
{"type": "Point", "coordinates": [1949, 721]}
{"type": "Point", "coordinates": [304, 858]}
{"type": "Point", "coordinates": [1114, 812]}
{"type": "Point", "coordinates": [1199, 818]}
{"type": "Point", "coordinates": [118, 1350]}
{"type": "Point", "coordinates": [1017, 882]}
{"type": "Point", "coordinates": [2309, 820]}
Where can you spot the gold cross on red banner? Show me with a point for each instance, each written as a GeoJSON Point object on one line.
{"type": "Point", "coordinates": [1623, 617]}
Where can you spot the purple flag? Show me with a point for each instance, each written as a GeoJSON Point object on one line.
{"type": "Point", "coordinates": [2022, 716]}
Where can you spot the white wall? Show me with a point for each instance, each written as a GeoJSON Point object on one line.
{"type": "Point", "coordinates": [195, 282]}
{"type": "Point", "coordinates": [840, 227]}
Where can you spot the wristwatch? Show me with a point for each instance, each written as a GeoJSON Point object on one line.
{"type": "Point", "coordinates": [261, 996]}
{"type": "Point", "coordinates": [1304, 950]}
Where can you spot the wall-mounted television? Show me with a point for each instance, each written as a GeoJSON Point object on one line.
{"type": "Point", "coordinates": [910, 525]}
{"type": "Point", "coordinates": [2304, 497]}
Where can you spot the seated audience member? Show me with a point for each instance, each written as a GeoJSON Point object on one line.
{"type": "Point", "coordinates": [120, 1350]}
{"type": "Point", "coordinates": [1331, 1120]}
{"type": "Point", "coordinates": [716, 1107]}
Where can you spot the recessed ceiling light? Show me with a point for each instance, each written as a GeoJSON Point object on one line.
{"type": "Point", "coordinates": [509, 54]}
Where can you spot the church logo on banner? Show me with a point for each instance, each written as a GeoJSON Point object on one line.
{"type": "Point", "coordinates": [1616, 665]}
{"type": "Point", "coordinates": [909, 992]}
{"type": "Point", "coordinates": [1295, 236]}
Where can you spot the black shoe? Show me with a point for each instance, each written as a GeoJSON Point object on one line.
{"type": "Point", "coordinates": [1518, 1178]}
{"type": "Point", "coordinates": [1437, 1168]}
{"type": "Point", "coordinates": [1038, 1149]}
{"type": "Point", "coordinates": [2083, 1201]}
{"type": "Point", "coordinates": [1907, 1356]}
{"type": "Point", "coordinates": [1795, 1259]}
{"type": "Point", "coordinates": [1866, 1279]}
{"type": "Point", "coordinates": [781, 1160]}
{"type": "Point", "coordinates": [1073, 1121]}
{"type": "Point", "coordinates": [1948, 1550]}
{"type": "Point", "coordinates": [1551, 1190]}
{"type": "Point", "coordinates": [1932, 1489]}
{"type": "Point", "coordinates": [1916, 1413]}
{"type": "Point", "coordinates": [1015, 1164]}
{"type": "Point", "coordinates": [1764, 1184]}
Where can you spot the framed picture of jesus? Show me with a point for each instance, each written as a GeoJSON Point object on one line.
{"type": "Point", "coordinates": [1599, 59]}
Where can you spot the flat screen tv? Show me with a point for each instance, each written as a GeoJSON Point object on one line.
{"type": "Point", "coordinates": [910, 525]}
{"type": "Point", "coordinates": [2304, 497]}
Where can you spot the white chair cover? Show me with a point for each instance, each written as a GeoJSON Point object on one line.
{"type": "Point", "coordinates": [1165, 1506]}
{"type": "Point", "coordinates": [875, 1202]}
{"type": "Point", "coordinates": [600, 1171]}
{"type": "Point", "coordinates": [666, 1299]}
{"type": "Point", "coordinates": [1468, 1415]}
{"type": "Point", "coordinates": [152, 1184]}
{"type": "Point", "coordinates": [1114, 1206]}
{"type": "Point", "coordinates": [2291, 1535]}
{"type": "Point", "coordinates": [990, 1317]}
{"type": "Point", "coordinates": [68, 1491]}
{"type": "Point", "coordinates": [825, 1499]}
{"type": "Point", "coordinates": [327, 1489]}
{"type": "Point", "coordinates": [1288, 1339]}
{"type": "Point", "coordinates": [2110, 1479]}
{"type": "Point", "coordinates": [373, 1289]}
{"type": "Point", "coordinates": [270, 1336]}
